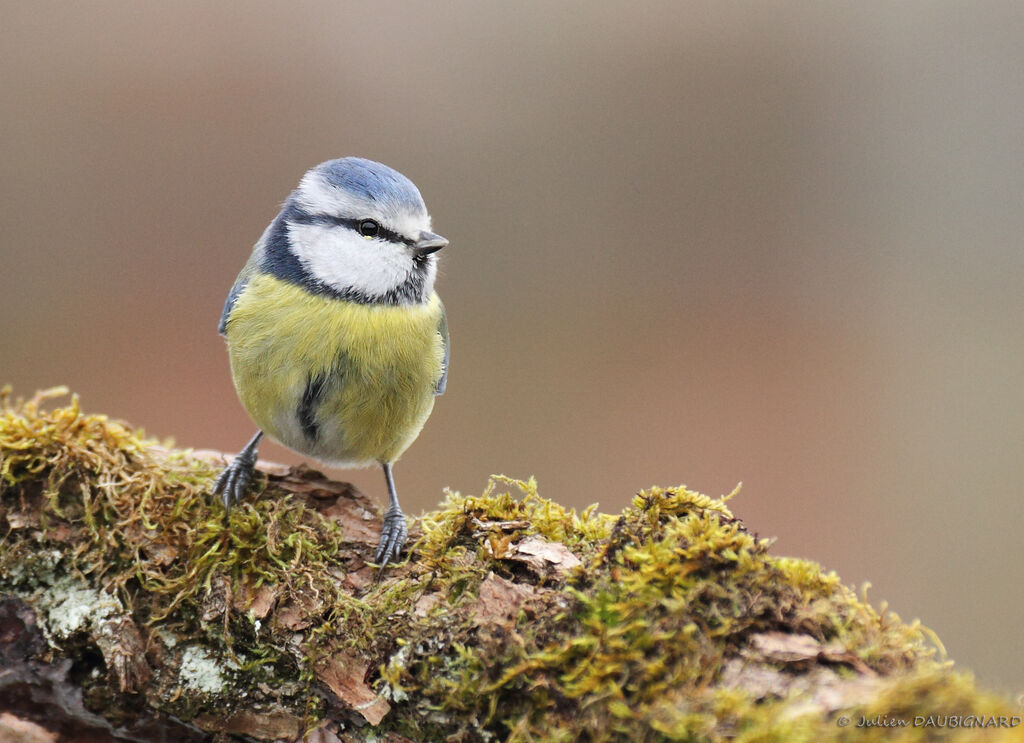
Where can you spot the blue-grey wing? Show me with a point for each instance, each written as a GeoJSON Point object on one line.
{"type": "Point", "coordinates": [247, 272]}
{"type": "Point", "coordinates": [442, 329]}
{"type": "Point", "coordinates": [237, 289]}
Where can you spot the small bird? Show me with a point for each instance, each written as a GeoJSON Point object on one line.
{"type": "Point", "coordinates": [338, 341]}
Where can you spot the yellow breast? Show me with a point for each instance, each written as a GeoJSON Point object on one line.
{"type": "Point", "coordinates": [343, 382]}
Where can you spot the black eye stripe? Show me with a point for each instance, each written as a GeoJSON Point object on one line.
{"type": "Point", "coordinates": [353, 224]}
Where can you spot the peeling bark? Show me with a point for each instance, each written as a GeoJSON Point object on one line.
{"type": "Point", "coordinates": [43, 694]}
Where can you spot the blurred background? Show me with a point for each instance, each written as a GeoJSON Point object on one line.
{"type": "Point", "coordinates": [701, 243]}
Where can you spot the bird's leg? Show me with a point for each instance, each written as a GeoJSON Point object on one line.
{"type": "Point", "coordinates": [394, 531]}
{"type": "Point", "coordinates": [237, 476]}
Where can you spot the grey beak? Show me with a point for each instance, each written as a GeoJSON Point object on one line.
{"type": "Point", "coordinates": [427, 244]}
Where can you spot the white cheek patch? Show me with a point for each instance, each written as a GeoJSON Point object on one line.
{"type": "Point", "coordinates": [344, 260]}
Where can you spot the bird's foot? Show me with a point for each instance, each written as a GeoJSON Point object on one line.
{"type": "Point", "coordinates": [393, 534]}
{"type": "Point", "coordinates": [235, 480]}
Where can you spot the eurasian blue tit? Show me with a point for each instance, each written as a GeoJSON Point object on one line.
{"type": "Point", "coordinates": [338, 341]}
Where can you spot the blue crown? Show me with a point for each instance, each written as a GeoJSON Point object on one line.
{"type": "Point", "coordinates": [372, 181]}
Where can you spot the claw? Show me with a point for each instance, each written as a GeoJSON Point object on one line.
{"type": "Point", "coordinates": [234, 481]}
{"type": "Point", "coordinates": [237, 477]}
{"type": "Point", "coordinates": [393, 534]}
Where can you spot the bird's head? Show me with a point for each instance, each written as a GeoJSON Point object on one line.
{"type": "Point", "coordinates": [358, 230]}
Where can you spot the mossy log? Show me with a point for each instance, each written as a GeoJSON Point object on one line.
{"type": "Point", "coordinates": [133, 608]}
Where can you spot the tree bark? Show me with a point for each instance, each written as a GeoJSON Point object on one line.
{"type": "Point", "coordinates": [133, 608]}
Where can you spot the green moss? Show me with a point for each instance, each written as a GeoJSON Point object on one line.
{"type": "Point", "coordinates": [500, 519]}
{"type": "Point", "coordinates": [677, 623]}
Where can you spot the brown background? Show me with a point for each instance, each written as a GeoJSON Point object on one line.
{"type": "Point", "coordinates": [702, 243]}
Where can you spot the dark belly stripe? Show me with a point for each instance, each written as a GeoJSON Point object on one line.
{"type": "Point", "coordinates": [307, 408]}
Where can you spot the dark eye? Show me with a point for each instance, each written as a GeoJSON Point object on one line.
{"type": "Point", "coordinates": [368, 228]}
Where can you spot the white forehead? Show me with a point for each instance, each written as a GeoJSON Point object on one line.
{"type": "Point", "coordinates": [354, 188]}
